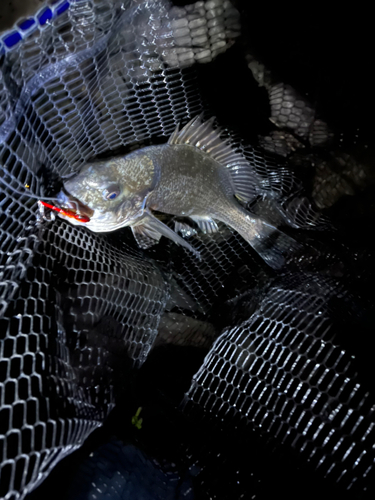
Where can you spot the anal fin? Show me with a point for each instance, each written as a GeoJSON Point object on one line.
{"type": "Point", "coordinates": [206, 224]}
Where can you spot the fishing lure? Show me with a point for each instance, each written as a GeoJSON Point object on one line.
{"type": "Point", "coordinates": [66, 211]}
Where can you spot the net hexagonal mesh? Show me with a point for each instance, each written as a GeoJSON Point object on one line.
{"type": "Point", "coordinates": [241, 372]}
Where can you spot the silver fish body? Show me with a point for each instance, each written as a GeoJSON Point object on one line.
{"type": "Point", "coordinates": [196, 174]}
{"type": "Point", "coordinates": [191, 183]}
{"type": "Point", "coordinates": [133, 177]}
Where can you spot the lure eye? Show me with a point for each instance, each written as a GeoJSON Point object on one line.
{"type": "Point", "coordinates": [111, 193]}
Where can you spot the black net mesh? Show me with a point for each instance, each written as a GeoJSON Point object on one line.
{"type": "Point", "coordinates": [283, 371]}
{"type": "Point", "coordinates": [242, 373]}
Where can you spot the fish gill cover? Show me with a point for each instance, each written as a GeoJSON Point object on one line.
{"type": "Point", "coordinates": [215, 377]}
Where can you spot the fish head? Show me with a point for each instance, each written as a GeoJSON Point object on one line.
{"type": "Point", "coordinates": [112, 193]}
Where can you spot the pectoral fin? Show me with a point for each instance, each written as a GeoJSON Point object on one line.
{"type": "Point", "coordinates": [145, 236]}
{"type": "Point", "coordinates": [149, 230]}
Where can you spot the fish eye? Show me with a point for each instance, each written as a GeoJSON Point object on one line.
{"type": "Point", "coordinates": [111, 192]}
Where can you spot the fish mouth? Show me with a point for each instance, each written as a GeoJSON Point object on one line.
{"type": "Point", "coordinates": [66, 200]}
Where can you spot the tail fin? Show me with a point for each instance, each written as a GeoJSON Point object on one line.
{"type": "Point", "coordinates": [269, 242]}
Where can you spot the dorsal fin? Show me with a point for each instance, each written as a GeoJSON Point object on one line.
{"type": "Point", "coordinates": [174, 135]}
{"type": "Point", "coordinates": [203, 136]}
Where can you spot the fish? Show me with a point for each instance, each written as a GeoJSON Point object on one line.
{"type": "Point", "coordinates": [197, 175]}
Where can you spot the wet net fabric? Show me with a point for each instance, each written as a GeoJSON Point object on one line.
{"type": "Point", "coordinates": [259, 360]}
{"type": "Point", "coordinates": [82, 314]}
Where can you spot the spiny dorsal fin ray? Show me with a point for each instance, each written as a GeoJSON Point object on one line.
{"type": "Point", "coordinates": [174, 135]}
{"type": "Point", "coordinates": [203, 136]}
